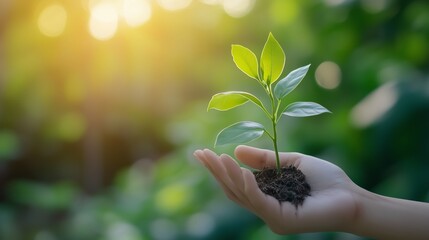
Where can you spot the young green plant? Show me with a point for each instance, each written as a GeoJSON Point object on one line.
{"type": "Point", "coordinates": [266, 73]}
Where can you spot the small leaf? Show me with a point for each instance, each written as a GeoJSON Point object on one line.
{"type": "Point", "coordinates": [238, 133]}
{"type": "Point", "coordinates": [272, 60]}
{"type": "Point", "coordinates": [227, 100]}
{"type": "Point", "coordinates": [245, 60]}
{"type": "Point", "coordinates": [305, 109]}
{"type": "Point", "coordinates": [290, 82]}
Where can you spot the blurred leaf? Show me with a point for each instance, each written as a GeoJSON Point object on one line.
{"type": "Point", "coordinates": [245, 60]}
{"type": "Point", "coordinates": [304, 109]}
{"type": "Point", "coordinates": [272, 60]}
{"type": "Point", "coordinates": [290, 82]}
{"type": "Point", "coordinates": [241, 132]}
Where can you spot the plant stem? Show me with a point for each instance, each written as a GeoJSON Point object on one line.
{"type": "Point", "coordinates": [275, 144]}
{"type": "Point", "coordinates": [275, 108]}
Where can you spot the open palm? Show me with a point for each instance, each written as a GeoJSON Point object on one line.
{"type": "Point", "coordinates": [330, 207]}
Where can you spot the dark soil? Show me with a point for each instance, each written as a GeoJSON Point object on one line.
{"type": "Point", "coordinates": [287, 185]}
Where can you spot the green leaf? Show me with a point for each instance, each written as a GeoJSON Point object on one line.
{"type": "Point", "coordinates": [304, 109]}
{"type": "Point", "coordinates": [245, 60]}
{"type": "Point", "coordinates": [227, 100]}
{"type": "Point", "coordinates": [272, 60]}
{"type": "Point", "coordinates": [290, 82]}
{"type": "Point", "coordinates": [238, 133]}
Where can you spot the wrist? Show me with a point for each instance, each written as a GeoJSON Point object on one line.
{"type": "Point", "coordinates": [359, 214]}
{"type": "Point", "coordinates": [376, 216]}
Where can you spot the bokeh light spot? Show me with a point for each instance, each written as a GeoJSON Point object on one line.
{"type": "Point", "coordinates": [372, 6]}
{"type": "Point", "coordinates": [373, 107]}
{"type": "Point", "coordinates": [136, 12]}
{"type": "Point", "coordinates": [52, 20]}
{"type": "Point", "coordinates": [335, 3]}
{"type": "Point", "coordinates": [328, 75]}
{"type": "Point", "coordinates": [174, 5]}
{"type": "Point", "coordinates": [238, 8]}
{"type": "Point", "coordinates": [163, 229]}
{"type": "Point", "coordinates": [172, 198]}
{"type": "Point", "coordinates": [103, 22]}
{"type": "Point", "coordinates": [200, 225]}
{"type": "Point", "coordinates": [124, 231]}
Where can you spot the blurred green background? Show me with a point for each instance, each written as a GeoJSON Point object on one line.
{"type": "Point", "coordinates": [102, 103]}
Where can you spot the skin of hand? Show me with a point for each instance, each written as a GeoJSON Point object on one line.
{"type": "Point", "coordinates": [331, 206]}
{"type": "Point", "coordinates": [336, 203]}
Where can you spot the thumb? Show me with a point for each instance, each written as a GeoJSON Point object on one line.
{"type": "Point", "coordinates": [262, 158]}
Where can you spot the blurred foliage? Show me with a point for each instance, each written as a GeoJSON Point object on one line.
{"type": "Point", "coordinates": [100, 110]}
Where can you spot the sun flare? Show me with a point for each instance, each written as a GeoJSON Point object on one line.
{"type": "Point", "coordinates": [52, 20]}
{"type": "Point", "coordinates": [103, 22]}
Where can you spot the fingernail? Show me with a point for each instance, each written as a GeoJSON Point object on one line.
{"type": "Point", "coordinates": [197, 153]}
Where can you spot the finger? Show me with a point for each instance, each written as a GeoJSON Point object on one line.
{"type": "Point", "coordinates": [260, 201]}
{"type": "Point", "coordinates": [262, 158]}
{"type": "Point", "coordinates": [200, 155]}
{"type": "Point", "coordinates": [236, 176]}
{"type": "Point", "coordinates": [266, 207]}
{"type": "Point", "coordinates": [233, 170]}
{"type": "Point", "coordinates": [269, 209]}
{"type": "Point", "coordinates": [216, 167]}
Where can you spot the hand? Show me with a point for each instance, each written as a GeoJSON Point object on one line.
{"type": "Point", "coordinates": [331, 206]}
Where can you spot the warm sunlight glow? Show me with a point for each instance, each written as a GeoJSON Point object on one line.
{"type": "Point", "coordinates": [173, 5]}
{"type": "Point", "coordinates": [52, 20]}
{"type": "Point", "coordinates": [328, 75]}
{"type": "Point", "coordinates": [136, 12]}
{"type": "Point", "coordinates": [103, 22]}
{"type": "Point", "coordinates": [285, 12]}
{"type": "Point", "coordinates": [238, 8]}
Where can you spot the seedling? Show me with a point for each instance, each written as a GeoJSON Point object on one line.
{"type": "Point", "coordinates": [266, 72]}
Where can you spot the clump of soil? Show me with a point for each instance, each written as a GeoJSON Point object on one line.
{"type": "Point", "coordinates": [288, 184]}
